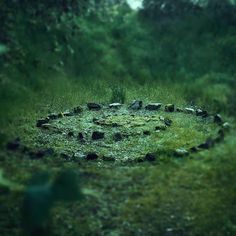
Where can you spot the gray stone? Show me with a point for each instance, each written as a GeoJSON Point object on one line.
{"type": "Point", "coordinates": [147, 132]}
{"type": "Point", "coordinates": [115, 105]}
{"type": "Point", "coordinates": [136, 105]}
{"type": "Point", "coordinates": [94, 106]}
{"type": "Point", "coordinates": [179, 109]}
{"type": "Point", "coordinates": [218, 119]}
{"type": "Point", "coordinates": [226, 126]}
{"type": "Point", "coordinates": [167, 122]}
{"type": "Point", "coordinates": [14, 145]}
{"type": "Point", "coordinates": [170, 107]}
{"type": "Point", "coordinates": [189, 110]}
{"type": "Point", "coordinates": [77, 109]}
{"type": "Point", "coordinates": [200, 112]}
{"type": "Point", "coordinates": [96, 135]}
{"type": "Point", "coordinates": [67, 113]}
{"type": "Point", "coordinates": [118, 136]}
{"type": "Point", "coordinates": [91, 156]}
{"type": "Point", "coordinates": [160, 127]}
{"type": "Point", "coordinates": [153, 106]}
{"type": "Point", "coordinates": [181, 152]}
{"type": "Point", "coordinates": [207, 145]}
{"type": "Point", "coordinates": [150, 157]}
{"type": "Point", "coordinates": [46, 126]}
{"type": "Point", "coordinates": [42, 121]}
{"type": "Point", "coordinates": [53, 116]}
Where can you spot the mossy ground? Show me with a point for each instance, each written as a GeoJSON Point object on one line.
{"type": "Point", "coordinates": [194, 195]}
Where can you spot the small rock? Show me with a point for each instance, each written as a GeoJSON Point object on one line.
{"type": "Point", "coordinates": [53, 116]}
{"type": "Point", "coordinates": [226, 126]}
{"type": "Point", "coordinates": [161, 118]}
{"type": "Point", "coordinates": [136, 105]}
{"type": "Point", "coordinates": [108, 158]}
{"type": "Point", "coordinates": [221, 135]}
{"type": "Point", "coordinates": [41, 153]}
{"type": "Point", "coordinates": [80, 136]}
{"type": "Point", "coordinates": [91, 156]}
{"type": "Point", "coordinates": [147, 132]}
{"type": "Point", "coordinates": [153, 106]}
{"type": "Point", "coordinates": [208, 144]}
{"type": "Point", "coordinates": [170, 107]}
{"type": "Point", "coordinates": [98, 135]}
{"type": "Point", "coordinates": [181, 152]}
{"type": "Point", "coordinates": [179, 109]}
{"type": "Point", "coordinates": [167, 122]}
{"type": "Point", "coordinates": [94, 106]}
{"type": "Point", "coordinates": [194, 149]}
{"type": "Point", "coordinates": [78, 109]}
{"type": "Point", "coordinates": [67, 113]}
{"type": "Point", "coordinates": [189, 110]}
{"type": "Point", "coordinates": [42, 121]}
{"type": "Point", "coordinates": [115, 105]}
{"type": "Point", "coordinates": [14, 145]}
{"type": "Point", "coordinates": [160, 127]}
{"type": "Point", "coordinates": [46, 126]}
{"type": "Point", "coordinates": [70, 134]}
{"type": "Point", "coordinates": [202, 113]}
{"type": "Point", "coordinates": [218, 119]}
{"type": "Point", "coordinates": [150, 157]}
{"type": "Point", "coordinates": [118, 136]}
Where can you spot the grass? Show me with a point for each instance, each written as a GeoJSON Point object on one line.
{"type": "Point", "coordinates": [190, 196]}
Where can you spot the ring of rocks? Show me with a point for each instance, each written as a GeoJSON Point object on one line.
{"type": "Point", "coordinates": [114, 123]}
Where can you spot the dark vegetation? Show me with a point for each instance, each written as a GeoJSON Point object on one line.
{"type": "Point", "coordinates": [55, 55]}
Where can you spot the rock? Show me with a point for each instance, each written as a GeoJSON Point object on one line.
{"type": "Point", "coordinates": [91, 156]}
{"type": "Point", "coordinates": [181, 152]}
{"type": "Point", "coordinates": [14, 145]}
{"type": "Point", "coordinates": [118, 136]}
{"type": "Point", "coordinates": [80, 136]}
{"type": "Point", "coordinates": [147, 132]}
{"type": "Point", "coordinates": [53, 116]}
{"type": "Point", "coordinates": [136, 105]}
{"type": "Point", "coordinates": [161, 118]}
{"type": "Point", "coordinates": [108, 158]}
{"type": "Point", "coordinates": [189, 110]}
{"type": "Point", "coordinates": [94, 106]}
{"type": "Point", "coordinates": [77, 109]}
{"type": "Point", "coordinates": [218, 119]}
{"type": "Point", "coordinates": [115, 105]}
{"type": "Point", "coordinates": [98, 135]}
{"type": "Point", "coordinates": [42, 121]}
{"type": "Point", "coordinates": [208, 144]}
{"type": "Point", "coordinates": [194, 149]}
{"type": "Point", "coordinates": [202, 113]}
{"type": "Point", "coordinates": [170, 107]}
{"type": "Point", "coordinates": [46, 126]}
{"type": "Point", "coordinates": [179, 109]}
{"type": "Point", "coordinates": [150, 157]}
{"type": "Point", "coordinates": [160, 127]}
{"type": "Point", "coordinates": [226, 126]}
{"type": "Point", "coordinates": [167, 122]}
{"type": "Point", "coordinates": [41, 153]}
{"type": "Point", "coordinates": [221, 136]}
{"type": "Point", "coordinates": [153, 106]}
{"type": "Point", "coordinates": [70, 134]}
{"type": "Point", "coordinates": [67, 113]}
